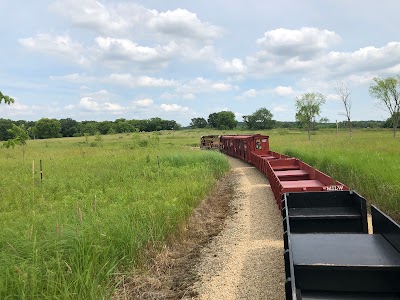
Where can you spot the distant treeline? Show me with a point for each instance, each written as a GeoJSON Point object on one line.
{"type": "Point", "coordinates": [52, 128]}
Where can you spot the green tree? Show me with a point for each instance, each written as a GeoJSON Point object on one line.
{"type": "Point", "coordinates": [7, 99]}
{"type": "Point", "coordinates": [198, 123]}
{"type": "Point", "coordinates": [212, 120]}
{"type": "Point", "coordinates": [89, 127]}
{"type": "Point", "coordinates": [5, 125]}
{"type": "Point", "coordinates": [308, 107]}
{"type": "Point", "coordinates": [387, 91]}
{"type": "Point", "coordinates": [69, 127]}
{"type": "Point", "coordinates": [47, 128]}
{"type": "Point", "coordinates": [261, 119]}
{"type": "Point", "coordinates": [19, 136]}
{"type": "Point", "coordinates": [226, 120]}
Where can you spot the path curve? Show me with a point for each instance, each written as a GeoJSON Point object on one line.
{"type": "Point", "coordinates": [245, 261]}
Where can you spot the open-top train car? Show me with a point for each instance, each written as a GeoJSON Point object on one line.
{"type": "Point", "coordinates": [328, 252]}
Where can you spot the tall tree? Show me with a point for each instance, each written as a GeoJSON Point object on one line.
{"type": "Point", "coordinates": [212, 120]}
{"type": "Point", "coordinates": [20, 136]}
{"type": "Point", "coordinates": [48, 128]}
{"type": "Point", "coordinates": [226, 120]}
{"type": "Point", "coordinates": [198, 123]}
{"type": "Point", "coordinates": [343, 91]}
{"type": "Point", "coordinates": [387, 91]}
{"type": "Point", "coordinates": [261, 119]}
{"type": "Point", "coordinates": [308, 107]}
{"type": "Point", "coordinates": [69, 127]}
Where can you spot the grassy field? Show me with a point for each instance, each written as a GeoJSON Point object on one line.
{"type": "Point", "coordinates": [98, 206]}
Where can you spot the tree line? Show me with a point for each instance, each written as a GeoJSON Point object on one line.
{"type": "Point", "coordinates": [52, 128]}
{"type": "Point", "coordinates": [308, 108]}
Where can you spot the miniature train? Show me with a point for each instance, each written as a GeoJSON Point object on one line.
{"type": "Point", "coordinates": [328, 252]}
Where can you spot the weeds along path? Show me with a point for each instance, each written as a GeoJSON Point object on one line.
{"type": "Point", "coordinates": [245, 261]}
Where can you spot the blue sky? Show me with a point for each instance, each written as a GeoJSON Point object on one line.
{"type": "Point", "coordinates": [103, 60]}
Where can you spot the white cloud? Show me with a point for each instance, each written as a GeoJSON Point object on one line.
{"type": "Point", "coordinates": [202, 85]}
{"type": "Point", "coordinates": [89, 104]}
{"type": "Point", "coordinates": [181, 23]}
{"type": "Point", "coordinates": [250, 93]}
{"type": "Point", "coordinates": [304, 42]}
{"type": "Point", "coordinates": [126, 50]}
{"type": "Point", "coordinates": [106, 19]}
{"type": "Point", "coordinates": [140, 81]}
{"type": "Point", "coordinates": [147, 102]}
{"type": "Point", "coordinates": [367, 59]}
{"type": "Point", "coordinates": [61, 46]}
{"type": "Point", "coordinates": [174, 108]}
{"type": "Point", "coordinates": [283, 90]}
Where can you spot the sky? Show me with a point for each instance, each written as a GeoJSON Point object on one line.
{"type": "Point", "coordinates": [178, 60]}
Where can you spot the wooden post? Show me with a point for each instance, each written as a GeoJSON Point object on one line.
{"type": "Point", "coordinates": [41, 171]}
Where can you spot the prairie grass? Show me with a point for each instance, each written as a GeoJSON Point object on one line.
{"type": "Point", "coordinates": [98, 207]}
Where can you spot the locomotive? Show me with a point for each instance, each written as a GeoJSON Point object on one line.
{"type": "Point", "coordinates": [328, 250]}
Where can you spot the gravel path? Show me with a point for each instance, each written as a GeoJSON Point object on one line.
{"type": "Point", "coordinates": [245, 261]}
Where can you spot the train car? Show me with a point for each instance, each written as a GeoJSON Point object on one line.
{"type": "Point", "coordinates": [210, 142]}
{"type": "Point", "coordinates": [241, 146]}
{"type": "Point", "coordinates": [330, 255]}
{"type": "Point", "coordinates": [328, 252]}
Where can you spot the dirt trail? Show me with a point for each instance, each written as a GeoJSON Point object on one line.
{"type": "Point", "coordinates": [245, 261]}
{"type": "Point", "coordinates": [231, 248]}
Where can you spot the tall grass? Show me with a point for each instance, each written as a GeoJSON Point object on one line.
{"type": "Point", "coordinates": [98, 207]}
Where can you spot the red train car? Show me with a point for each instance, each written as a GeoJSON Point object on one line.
{"type": "Point", "coordinates": [242, 146]}
{"type": "Point", "coordinates": [328, 251]}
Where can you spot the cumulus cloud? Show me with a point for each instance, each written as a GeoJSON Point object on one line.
{"type": "Point", "coordinates": [235, 66]}
{"type": "Point", "coordinates": [203, 85]}
{"type": "Point", "coordinates": [122, 33]}
{"type": "Point", "coordinates": [304, 42]}
{"type": "Point", "coordinates": [108, 19]}
{"type": "Point", "coordinates": [174, 108]}
{"type": "Point", "coordinates": [139, 81]}
{"type": "Point", "coordinates": [181, 23]}
{"type": "Point", "coordinates": [90, 104]}
{"type": "Point", "coordinates": [127, 18]}
{"type": "Point", "coordinates": [283, 90]}
{"type": "Point", "coordinates": [250, 93]}
{"type": "Point", "coordinates": [61, 46]}
{"type": "Point", "coordinates": [367, 59]}
{"type": "Point", "coordinates": [126, 50]}
{"type": "Point", "coordinates": [147, 102]}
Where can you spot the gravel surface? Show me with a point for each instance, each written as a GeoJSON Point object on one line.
{"type": "Point", "coordinates": [245, 261]}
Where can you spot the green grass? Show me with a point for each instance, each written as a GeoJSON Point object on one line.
{"type": "Point", "coordinates": [98, 207]}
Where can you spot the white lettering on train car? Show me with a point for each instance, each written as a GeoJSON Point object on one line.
{"type": "Point", "coordinates": [334, 188]}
